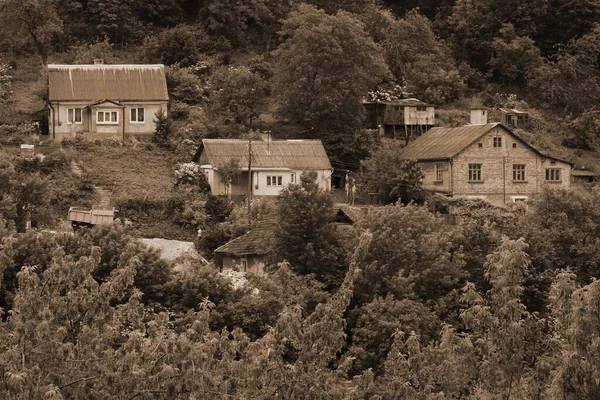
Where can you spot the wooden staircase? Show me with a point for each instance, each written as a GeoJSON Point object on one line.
{"type": "Point", "coordinates": [102, 198]}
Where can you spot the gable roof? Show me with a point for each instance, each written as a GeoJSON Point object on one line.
{"type": "Point", "coordinates": [101, 81]}
{"type": "Point", "coordinates": [292, 154]}
{"type": "Point", "coordinates": [444, 143]}
{"type": "Point", "coordinates": [254, 242]}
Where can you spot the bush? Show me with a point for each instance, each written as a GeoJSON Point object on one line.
{"type": "Point", "coordinates": [192, 175]}
{"type": "Point", "coordinates": [179, 111]}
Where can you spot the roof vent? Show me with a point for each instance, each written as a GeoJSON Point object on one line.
{"type": "Point", "coordinates": [478, 116]}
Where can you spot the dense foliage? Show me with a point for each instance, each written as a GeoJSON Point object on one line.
{"type": "Point", "coordinates": [95, 314]}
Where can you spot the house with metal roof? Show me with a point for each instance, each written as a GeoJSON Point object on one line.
{"type": "Point", "coordinates": [402, 118]}
{"type": "Point", "coordinates": [249, 252]}
{"type": "Point", "coordinates": [265, 166]}
{"type": "Point", "coordinates": [486, 161]}
{"type": "Point", "coordinates": [101, 101]}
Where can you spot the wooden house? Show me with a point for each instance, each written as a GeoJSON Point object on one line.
{"type": "Point", "coordinates": [487, 162]}
{"type": "Point", "coordinates": [403, 118]}
{"type": "Point", "coordinates": [514, 118]}
{"type": "Point", "coordinates": [273, 164]}
{"type": "Point", "coordinates": [104, 101]}
{"type": "Point", "coordinates": [248, 253]}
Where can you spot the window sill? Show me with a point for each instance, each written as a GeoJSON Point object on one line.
{"type": "Point", "coordinates": [517, 182]}
{"type": "Point", "coordinates": [556, 182]}
{"type": "Point", "coordinates": [475, 181]}
{"type": "Point", "coordinates": [438, 182]}
{"type": "Point", "coordinates": [137, 122]}
{"type": "Point", "coordinates": [74, 123]}
{"type": "Point", "coordinates": [107, 123]}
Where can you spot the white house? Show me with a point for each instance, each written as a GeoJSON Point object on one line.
{"type": "Point", "coordinates": [273, 164]}
{"type": "Point", "coordinates": [101, 101]}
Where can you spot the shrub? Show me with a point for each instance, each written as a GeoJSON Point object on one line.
{"type": "Point", "coordinates": [191, 174]}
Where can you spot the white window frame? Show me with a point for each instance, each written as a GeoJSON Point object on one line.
{"type": "Point", "coordinates": [293, 177]}
{"type": "Point", "coordinates": [104, 113]}
{"type": "Point", "coordinates": [517, 199]}
{"type": "Point", "coordinates": [136, 111]}
{"type": "Point", "coordinates": [274, 180]}
{"type": "Point", "coordinates": [244, 264]}
{"type": "Point", "coordinates": [553, 174]}
{"type": "Point", "coordinates": [519, 172]}
{"type": "Point", "coordinates": [475, 171]}
{"type": "Point", "coordinates": [72, 115]}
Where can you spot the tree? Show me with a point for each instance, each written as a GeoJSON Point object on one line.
{"type": "Point", "coordinates": [323, 69]}
{"type": "Point", "coordinates": [390, 176]}
{"type": "Point", "coordinates": [304, 237]}
{"type": "Point", "coordinates": [420, 61]}
{"type": "Point", "coordinates": [162, 131]}
{"type": "Point", "coordinates": [509, 334]}
{"type": "Point", "coordinates": [411, 256]}
{"type": "Point", "coordinates": [230, 173]}
{"type": "Point", "coordinates": [572, 80]}
{"type": "Point", "coordinates": [238, 94]}
{"type": "Point", "coordinates": [36, 19]}
{"type": "Point", "coordinates": [575, 356]}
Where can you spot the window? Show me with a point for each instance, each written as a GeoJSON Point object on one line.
{"type": "Point", "coordinates": [421, 108]}
{"type": "Point", "coordinates": [480, 145]}
{"type": "Point", "coordinates": [244, 264]}
{"type": "Point", "coordinates": [497, 141]}
{"type": "Point", "coordinates": [553, 174]}
{"type": "Point", "coordinates": [439, 172]}
{"type": "Point", "coordinates": [552, 162]}
{"type": "Point", "coordinates": [293, 178]}
{"type": "Point", "coordinates": [74, 116]}
{"type": "Point", "coordinates": [517, 199]}
{"type": "Point", "coordinates": [514, 145]}
{"type": "Point", "coordinates": [475, 173]}
{"type": "Point", "coordinates": [137, 114]}
{"type": "Point", "coordinates": [107, 117]}
{"type": "Point", "coordinates": [274, 180]}
{"type": "Point", "coordinates": [519, 172]}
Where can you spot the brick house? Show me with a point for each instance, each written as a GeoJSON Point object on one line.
{"type": "Point", "coordinates": [102, 101]}
{"type": "Point", "coordinates": [274, 164]}
{"type": "Point", "coordinates": [485, 161]}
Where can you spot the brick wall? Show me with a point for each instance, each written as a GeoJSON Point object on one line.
{"type": "Point", "coordinates": [497, 163]}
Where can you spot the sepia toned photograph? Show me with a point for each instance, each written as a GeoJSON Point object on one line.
{"type": "Point", "coordinates": [299, 199]}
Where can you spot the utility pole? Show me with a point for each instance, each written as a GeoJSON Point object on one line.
{"type": "Point", "coordinates": [249, 175]}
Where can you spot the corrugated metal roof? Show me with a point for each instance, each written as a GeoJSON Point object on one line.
{"type": "Point", "coordinates": [256, 241]}
{"type": "Point", "coordinates": [444, 142]}
{"type": "Point", "coordinates": [400, 102]}
{"type": "Point", "coordinates": [513, 111]}
{"type": "Point", "coordinates": [293, 154]}
{"type": "Point", "coordinates": [100, 81]}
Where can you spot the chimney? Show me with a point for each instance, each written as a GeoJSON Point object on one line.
{"type": "Point", "coordinates": [478, 116]}
{"type": "Point", "coordinates": [98, 61]}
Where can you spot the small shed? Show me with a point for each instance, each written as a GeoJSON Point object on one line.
{"type": "Point", "coordinates": [583, 176]}
{"type": "Point", "coordinates": [514, 118]}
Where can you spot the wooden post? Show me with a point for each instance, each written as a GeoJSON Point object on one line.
{"type": "Point", "coordinates": [249, 175]}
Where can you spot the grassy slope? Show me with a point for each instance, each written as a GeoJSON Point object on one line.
{"type": "Point", "coordinates": [130, 171]}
